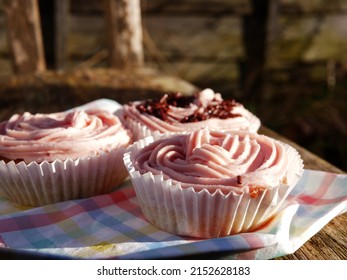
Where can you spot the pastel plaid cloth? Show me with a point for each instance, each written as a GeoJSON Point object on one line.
{"type": "Point", "coordinates": [112, 226]}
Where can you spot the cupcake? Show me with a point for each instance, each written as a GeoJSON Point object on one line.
{"type": "Point", "coordinates": [47, 158]}
{"type": "Point", "coordinates": [210, 184]}
{"type": "Point", "coordinates": [175, 113]}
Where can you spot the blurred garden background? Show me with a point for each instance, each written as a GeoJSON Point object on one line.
{"type": "Point", "coordinates": [285, 60]}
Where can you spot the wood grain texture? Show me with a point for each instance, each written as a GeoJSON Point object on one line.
{"type": "Point", "coordinates": [24, 35]}
{"type": "Point", "coordinates": [330, 243]}
{"type": "Point", "coordinates": [53, 91]}
{"type": "Point", "coordinates": [62, 16]}
{"type": "Point", "coordinates": [124, 31]}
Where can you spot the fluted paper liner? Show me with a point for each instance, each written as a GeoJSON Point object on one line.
{"type": "Point", "coordinates": [184, 211]}
{"type": "Point", "coordinates": [37, 184]}
{"type": "Point", "coordinates": [139, 130]}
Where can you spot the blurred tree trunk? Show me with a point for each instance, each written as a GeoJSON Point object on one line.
{"type": "Point", "coordinates": [124, 31]}
{"type": "Point", "coordinates": [24, 36]}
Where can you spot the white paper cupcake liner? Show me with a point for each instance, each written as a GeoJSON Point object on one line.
{"type": "Point", "coordinates": [138, 130]}
{"type": "Point", "coordinates": [37, 184]}
{"type": "Point", "coordinates": [184, 211]}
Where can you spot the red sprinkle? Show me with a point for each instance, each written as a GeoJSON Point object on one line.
{"type": "Point", "coordinates": [161, 106]}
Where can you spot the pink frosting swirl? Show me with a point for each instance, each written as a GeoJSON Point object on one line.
{"type": "Point", "coordinates": [238, 118]}
{"type": "Point", "coordinates": [59, 136]}
{"type": "Point", "coordinates": [238, 162]}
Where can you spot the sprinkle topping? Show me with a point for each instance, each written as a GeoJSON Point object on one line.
{"type": "Point", "coordinates": [160, 108]}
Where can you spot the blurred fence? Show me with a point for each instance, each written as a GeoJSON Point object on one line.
{"type": "Point", "coordinates": [285, 59]}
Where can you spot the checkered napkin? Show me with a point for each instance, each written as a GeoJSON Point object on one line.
{"type": "Point", "coordinates": [112, 226]}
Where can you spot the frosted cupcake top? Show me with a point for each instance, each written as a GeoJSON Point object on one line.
{"type": "Point", "coordinates": [59, 136]}
{"type": "Point", "coordinates": [177, 113]}
{"type": "Point", "coordinates": [227, 162]}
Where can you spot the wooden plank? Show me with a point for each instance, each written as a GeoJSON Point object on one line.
{"type": "Point", "coordinates": [53, 91]}
{"type": "Point", "coordinates": [256, 34]}
{"type": "Point", "coordinates": [46, 10]}
{"type": "Point", "coordinates": [124, 30]}
{"type": "Point", "coordinates": [169, 8]}
{"type": "Point", "coordinates": [330, 243]}
{"type": "Point", "coordinates": [61, 32]}
{"type": "Point", "coordinates": [196, 7]}
{"type": "Point", "coordinates": [24, 35]}
{"type": "Point", "coordinates": [292, 8]}
{"type": "Point", "coordinates": [55, 27]}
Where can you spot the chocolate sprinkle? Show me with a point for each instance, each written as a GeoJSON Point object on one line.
{"type": "Point", "coordinates": [160, 108]}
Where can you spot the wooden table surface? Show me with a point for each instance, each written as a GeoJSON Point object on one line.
{"type": "Point", "coordinates": [329, 243]}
